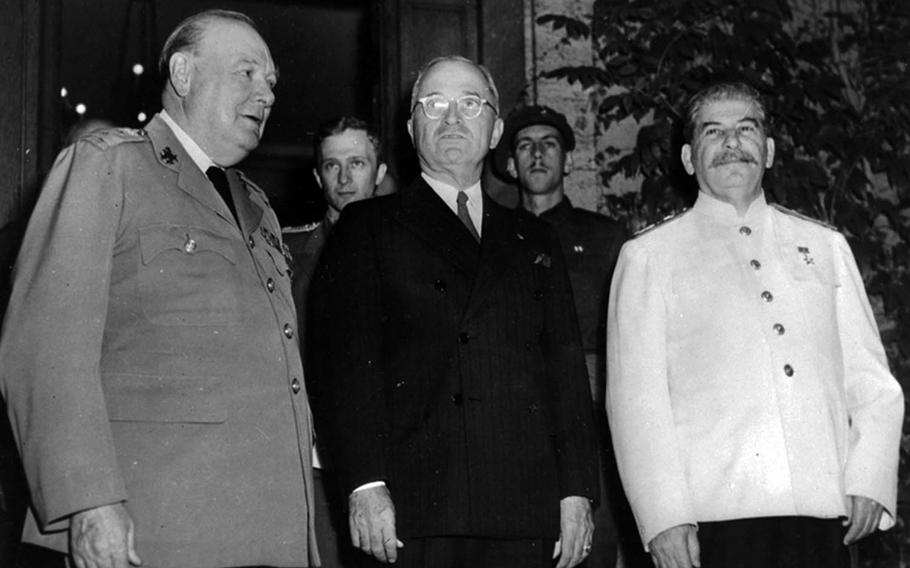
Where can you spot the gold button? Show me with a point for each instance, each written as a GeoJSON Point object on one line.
{"type": "Point", "coordinates": [270, 285]}
{"type": "Point", "coordinates": [288, 331]}
{"type": "Point", "coordinates": [767, 296]}
{"type": "Point", "coordinates": [295, 386]}
{"type": "Point", "coordinates": [744, 230]}
{"type": "Point", "coordinates": [779, 329]}
{"type": "Point", "coordinates": [190, 245]}
{"type": "Point", "coordinates": [251, 242]}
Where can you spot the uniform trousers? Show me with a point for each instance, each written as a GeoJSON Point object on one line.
{"type": "Point", "coordinates": [773, 542]}
{"type": "Point", "coordinates": [470, 552]}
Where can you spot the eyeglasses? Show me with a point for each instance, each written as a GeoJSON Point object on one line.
{"type": "Point", "coordinates": [469, 106]}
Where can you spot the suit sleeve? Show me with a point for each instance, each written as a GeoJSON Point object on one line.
{"type": "Point", "coordinates": [575, 430]}
{"type": "Point", "coordinates": [638, 396]}
{"type": "Point", "coordinates": [52, 339]}
{"type": "Point", "coordinates": [346, 333]}
{"type": "Point", "coordinates": [875, 403]}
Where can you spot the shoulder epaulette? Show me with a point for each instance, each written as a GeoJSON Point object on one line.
{"type": "Point", "coordinates": [110, 137]}
{"type": "Point", "coordinates": [308, 228]}
{"type": "Point", "coordinates": [799, 215]}
{"type": "Point", "coordinates": [671, 217]}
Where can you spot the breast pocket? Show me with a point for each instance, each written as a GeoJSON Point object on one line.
{"type": "Point", "coordinates": [188, 276]}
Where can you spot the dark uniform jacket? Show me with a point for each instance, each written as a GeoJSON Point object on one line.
{"type": "Point", "coordinates": [149, 356]}
{"type": "Point", "coordinates": [590, 244]}
{"type": "Point", "coordinates": [454, 371]}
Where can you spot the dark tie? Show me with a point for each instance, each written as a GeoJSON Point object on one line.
{"type": "Point", "coordinates": [463, 215]}
{"type": "Point", "coordinates": [220, 181]}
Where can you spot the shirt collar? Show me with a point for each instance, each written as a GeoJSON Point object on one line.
{"type": "Point", "coordinates": [449, 193]}
{"type": "Point", "coordinates": [199, 157]}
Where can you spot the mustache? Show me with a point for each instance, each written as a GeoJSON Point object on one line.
{"type": "Point", "coordinates": [730, 156]}
{"type": "Point", "coordinates": [452, 129]}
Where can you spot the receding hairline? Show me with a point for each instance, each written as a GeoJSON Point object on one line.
{"type": "Point", "coordinates": [433, 63]}
{"type": "Point", "coordinates": [189, 34]}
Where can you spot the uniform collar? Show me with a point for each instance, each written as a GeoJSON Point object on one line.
{"type": "Point", "coordinates": [199, 157]}
{"type": "Point", "coordinates": [725, 213]}
{"type": "Point", "coordinates": [559, 212]}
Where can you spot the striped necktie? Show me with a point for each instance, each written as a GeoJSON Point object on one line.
{"type": "Point", "coordinates": [463, 215]}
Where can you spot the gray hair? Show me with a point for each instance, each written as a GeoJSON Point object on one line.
{"type": "Point", "coordinates": [487, 76]}
{"type": "Point", "coordinates": [188, 34]}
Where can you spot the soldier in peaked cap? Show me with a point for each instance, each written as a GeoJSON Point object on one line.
{"type": "Point", "coordinates": [536, 152]}
{"type": "Point", "coordinates": [149, 359]}
{"type": "Point", "coordinates": [753, 414]}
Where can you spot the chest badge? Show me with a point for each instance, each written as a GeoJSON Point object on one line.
{"type": "Point", "coordinates": [807, 258]}
{"type": "Point", "coordinates": [168, 156]}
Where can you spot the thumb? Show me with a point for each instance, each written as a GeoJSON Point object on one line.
{"type": "Point", "coordinates": [694, 548]}
{"type": "Point", "coordinates": [131, 547]}
{"type": "Point", "coordinates": [849, 505]}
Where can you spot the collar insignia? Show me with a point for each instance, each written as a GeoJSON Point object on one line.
{"type": "Point", "coordinates": [168, 156]}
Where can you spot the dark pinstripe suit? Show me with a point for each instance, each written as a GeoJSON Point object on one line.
{"type": "Point", "coordinates": [452, 371]}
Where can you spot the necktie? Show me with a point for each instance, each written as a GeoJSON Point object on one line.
{"type": "Point", "coordinates": [218, 178]}
{"type": "Point", "coordinates": [463, 215]}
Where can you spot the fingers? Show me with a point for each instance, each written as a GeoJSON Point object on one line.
{"type": "Point", "coordinates": [863, 518]}
{"type": "Point", "coordinates": [694, 548]}
{"type": "Point", "coordinates": [372, 524]}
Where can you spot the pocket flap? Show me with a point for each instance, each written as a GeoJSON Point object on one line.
{"type": "Point", "coordinates": [155, 239]}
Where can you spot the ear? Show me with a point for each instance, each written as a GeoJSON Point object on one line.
{"type": "Point", "coordinates": [380, 174]}
{"type": "Point", "coordinates": [769, 147]}
{"type": "Point", "coordinates": [569, 163]}
{"type": "Point", "coordinates": [510, 167]}
{"type": "Point", "coordinates": [180, 67]}
{"type": "Point", "coordinates": [318, 179]}
{"type": "Point", "coordinates": [496, 134]}
{"type": "Point", "coordinates": [686, 156]}
{"type": "Point", "coordinates": [411, 130]}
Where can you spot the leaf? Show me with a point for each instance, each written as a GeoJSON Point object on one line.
{"type": "Point", "coordinates": [574, 28]}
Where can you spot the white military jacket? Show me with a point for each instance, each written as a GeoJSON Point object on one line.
{"type": "Point", "coordinates": [746, 376]}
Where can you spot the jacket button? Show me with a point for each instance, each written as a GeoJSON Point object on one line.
{"type": "Point", "coordinates": [538, 294]}
{"type": "Point", "coordinates": [788, 370]}
{"type": "Point", "coordinates": [288, 331]}
{"type": "Point", "coordinates": [755, 264]}
{"type": "Point", "coordinates": [779, 329]}
{"type": "Point", "coordinates": [463, 338]}
{"type": "Point", "coordinates": [767, 296]}
{"type": "Point", "coordinates": [295, 386]}
{"type": "Point", "coordinates": [457, 399]}
{"type": "Point", "coordinates": [744, 230]}
{"type": "Point", "coordinates": [440, 286]}
{"type": "Point", "coordinates": [270, 285]}
{"type": "Point", "coordinates": [251, 242]}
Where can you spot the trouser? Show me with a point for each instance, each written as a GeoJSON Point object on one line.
{"type": "Point", "coordinates": [470, 552]}
{"type": "Point", "coordinates": [773, 542]}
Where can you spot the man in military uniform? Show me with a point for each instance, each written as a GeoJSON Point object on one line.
{"type": "Point", "coordinates": [536, 151]}
{"type": "Point", "coordinates": [348, 168]}
{"type": "Point", "coordinates": [753, 414]}
{"type": "Point", "coordinates": [149, 359]}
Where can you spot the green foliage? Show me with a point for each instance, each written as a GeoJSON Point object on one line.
{"type": "Point", "coordinates": [837, 87]}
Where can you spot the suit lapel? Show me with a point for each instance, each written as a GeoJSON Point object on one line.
{"type": "Point", "coordinates": [497, 252]}
{"type": "Point", "coordinates": [426, 215]}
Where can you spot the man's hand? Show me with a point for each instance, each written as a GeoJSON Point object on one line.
{"type": "Point", "coordinates": [372, 522]}
{"type": "Point", "coordinates": [863, 516]}
{"type": "Point", "coordinates": [676, 547]}
{"type": "Point", "coordinates": [103, 537]}
{"type": "Point", "coordinates": [576, 529]}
